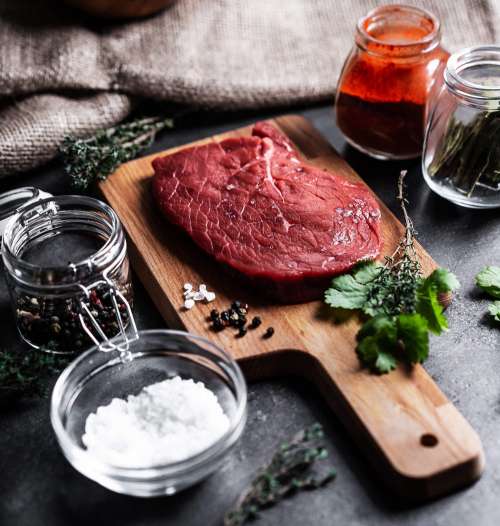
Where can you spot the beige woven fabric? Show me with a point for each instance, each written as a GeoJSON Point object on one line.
{"type": "Point", "coordinates": [64, 73]}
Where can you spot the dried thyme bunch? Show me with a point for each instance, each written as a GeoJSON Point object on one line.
{"type": "Point", "coordinates": [402, 307]}
{"type": "Point", "coordinates": [290, 470]}
{"type": "Point", "coordinates": [467, 154]}
{"type": "Point", "coordinates": [96, 157]}
{"type": "Point", "coordinates": [24, 374]}
{"type": "Point", "coordinates": [394, 288]}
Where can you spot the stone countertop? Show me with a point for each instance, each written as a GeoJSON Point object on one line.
{"type": "Point", "coordinates": [38, 486]}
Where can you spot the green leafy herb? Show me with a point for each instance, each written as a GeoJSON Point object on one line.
{"type": "Point", "coordinates": [24, 374]}
{"type": "Point", "coordinates": [402, 305]}
{"type": "Point", "coordinates": [352, 291]}
{"type": "Point", "coordinates": [377, 340]}
{"type": "Point", "coordinates": [413, 332]}
{"type": "Point", "coordinates": [489, 280]}
{"type": "Point", "coordinates": [428, 305]}
{"type": "Point", "coordinates": [494, 309]}
{"type": "Point", "coordinates": [96, 157]}
{"type": "Point", "coordinates": [290, 470]}
{"type": "Point", "coordinates": [383, 339]}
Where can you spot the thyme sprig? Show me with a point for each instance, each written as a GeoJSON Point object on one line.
{"type": "Point", "coordinates": [25, 374]}
{"type": "Point", "coordinates": [290, 470]}
{"type": "Point", "coordinates": [94, 158]}
{"type": "Point", "coordinates": [394, 289]}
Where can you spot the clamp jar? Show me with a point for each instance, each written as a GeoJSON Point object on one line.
{"type": "Point", "coordinates": [396, 62]}
{"type": "Point", "coordinates": [68, 273]}
{"type": "Point", "coordinates": [461, 160]}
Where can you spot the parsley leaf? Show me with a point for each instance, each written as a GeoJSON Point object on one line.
{"type": "Point", "coordinates": [350, 291]}
{"type": "Point", "coordinates": [494, 309]}
{"type": "Point", "coordinates": [413, 332]}
{"type": "Point", "coordinates": [382, 338]}
{"type": "Point", "coordinates": [429, 307]}
{"type": "Point", "coordinates": [489, 280]}
{"type": "Point", "coordinates": [377, 340]}
{"type": "Point", "coordinates": [444, 280]}
{"type": "Point", "coordinates": [385, 362]}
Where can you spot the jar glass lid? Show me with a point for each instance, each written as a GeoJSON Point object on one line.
{"type": "Point", "coordinates": [13, 201]}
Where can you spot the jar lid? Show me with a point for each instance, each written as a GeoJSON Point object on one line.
{"type": "Point", "coordinates": [13, 201]}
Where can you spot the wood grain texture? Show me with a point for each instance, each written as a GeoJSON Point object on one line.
{"type": "Point", "coordinates": [389, 416]}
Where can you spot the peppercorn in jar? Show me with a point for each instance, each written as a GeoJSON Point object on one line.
{"type": "Point", "coordinates": [68, 273]}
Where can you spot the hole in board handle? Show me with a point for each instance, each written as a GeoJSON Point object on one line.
{"type": "Point", "coordinates": [429, 440]}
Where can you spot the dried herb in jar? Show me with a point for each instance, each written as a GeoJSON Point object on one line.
{"type": "Point", "coordinates": [468, 154]}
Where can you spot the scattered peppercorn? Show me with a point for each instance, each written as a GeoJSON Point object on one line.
{"type": "Point", "coordinates": [236, 316]}
{"type": "Point", "coordinates": [256, 321]}
{"type": "Point", "coordinates": [217, 325]}
{"type": "Point", "coordinates": [269, 332]}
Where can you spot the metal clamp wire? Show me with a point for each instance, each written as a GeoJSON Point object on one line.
{"type": "Point", "coordinates": [121, 342]}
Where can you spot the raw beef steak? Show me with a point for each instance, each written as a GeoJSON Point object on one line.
{"type": "Point", "coordinates": [253, 205]}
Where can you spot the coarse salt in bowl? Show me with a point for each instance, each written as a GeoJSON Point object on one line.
{"type": "Point", "coordinates": [96, 378]}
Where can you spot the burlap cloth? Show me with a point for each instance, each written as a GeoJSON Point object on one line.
{"type": "Point", "coordinates": [63, 73]}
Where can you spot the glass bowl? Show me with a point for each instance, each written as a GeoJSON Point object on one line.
{"type": "Point", "coordinates": [96, 377]}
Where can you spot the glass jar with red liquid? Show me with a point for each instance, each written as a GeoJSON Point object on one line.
{"type": "Point", "coordinates": [396, 62]}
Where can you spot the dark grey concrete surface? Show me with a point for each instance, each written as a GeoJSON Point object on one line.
{"type": "Point", "coordinates": [38, 487]}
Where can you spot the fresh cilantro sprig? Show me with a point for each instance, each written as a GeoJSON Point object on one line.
{"type": "Point", "coordinates": [403, 307]}
{"type": "Point", "coordinates": [489, 281]}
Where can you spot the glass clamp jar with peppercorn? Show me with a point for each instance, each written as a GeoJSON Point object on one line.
{"type": "Point", "coordinates": [63, 306]}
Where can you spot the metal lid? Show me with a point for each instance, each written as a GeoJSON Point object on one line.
{"type": "Point", "coordinates": [13, 201]}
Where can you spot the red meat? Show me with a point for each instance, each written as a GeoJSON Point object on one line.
{"type": "Point", "coordinates": [252, 204]}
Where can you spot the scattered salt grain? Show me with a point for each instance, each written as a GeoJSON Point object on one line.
{"type": "Point", "coordinates": [166, 422]}
{"type": "Point", "coordinates": [209, 296]}
{"type": "Point", "coordinates": [189, 304]}
{"type": "Point", "coordinates": [191, 295]}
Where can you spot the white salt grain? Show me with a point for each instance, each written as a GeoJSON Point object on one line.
{"type": "Point", "coordinates": [189, 304]}
{"type": "Point", "coordinates": [191, 295]}
{"type": "Point", "coordinates": [209, 296]}
{"type": "Point", "coordinates": [199, 296]}
{"type": "Point", "coordinates": [167, 422]}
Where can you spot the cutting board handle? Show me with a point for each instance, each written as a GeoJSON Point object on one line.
{"type": "Point", "coordinates": [419, 443]}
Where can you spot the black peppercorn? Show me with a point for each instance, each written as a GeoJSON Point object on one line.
{"type": "Point", "coordinates": [269, 332]}
{"type": "Point", "coordinates": [256, 321]}
{"type": "Point", "coordinates": [217, 325]}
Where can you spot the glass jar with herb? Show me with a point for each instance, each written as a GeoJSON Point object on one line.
{"type": "Point", "coordinates": [386, 80]}
{"type": "Point", "coordinates": [461, 160]}
{"type": "Point", "coordinates": [68, 273]}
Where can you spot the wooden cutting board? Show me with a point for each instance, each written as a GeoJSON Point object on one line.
{"type": "Point", "coordinates": [417, 440]}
